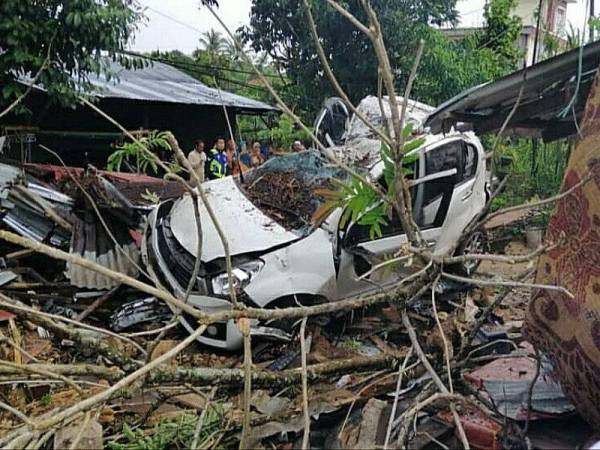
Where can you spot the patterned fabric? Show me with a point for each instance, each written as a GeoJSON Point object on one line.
{"type": "Point", "coordinates": [569, 328]}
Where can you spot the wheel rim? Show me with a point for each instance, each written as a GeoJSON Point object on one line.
{"type": "Point", "coordinates": [474, 245]}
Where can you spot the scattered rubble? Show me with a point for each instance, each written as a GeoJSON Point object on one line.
{"type": "Point", "coordinates": [284, 188]}
{"type": "Point", "coordinates": [356, 400]}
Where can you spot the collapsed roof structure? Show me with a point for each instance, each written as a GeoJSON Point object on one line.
{"type": "Point", "coordinates": [549, 97]}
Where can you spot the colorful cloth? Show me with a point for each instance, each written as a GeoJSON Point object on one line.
{"type": "Point", "coordinates": [569, 328]}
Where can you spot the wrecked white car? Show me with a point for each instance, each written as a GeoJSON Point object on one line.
{"type": "Point", "coordinates": [280, 258]}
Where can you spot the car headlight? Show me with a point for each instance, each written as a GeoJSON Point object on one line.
{"type": "Point", "coordinates": [241, 277]}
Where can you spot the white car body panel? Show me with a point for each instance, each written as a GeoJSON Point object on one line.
{"type": "Point", "coordinates": [320, 263]}
{"type": "Point", "coordinates": [247, 228]}
{"type": "Point", "coordinates": [305, 267]}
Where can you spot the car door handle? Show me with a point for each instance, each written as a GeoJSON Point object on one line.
{"type": "Point", "coordinates": [467, 195]}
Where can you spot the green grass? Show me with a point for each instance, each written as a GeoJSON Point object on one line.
{"type": "Point", "coordinates": [172, 434]}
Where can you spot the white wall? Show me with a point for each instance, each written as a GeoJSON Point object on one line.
{"type": "Point", "coordinates": [471, 12]}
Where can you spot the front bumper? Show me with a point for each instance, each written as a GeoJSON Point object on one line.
{"type": "Point", "coordinates": [171, 266]}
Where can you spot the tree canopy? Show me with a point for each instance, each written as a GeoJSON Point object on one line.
{"type": "Point", "coordinates": [63, 41]}
{"type": "Point", "coordinates": [279, 28]}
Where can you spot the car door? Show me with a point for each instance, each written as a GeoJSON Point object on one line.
{"type": "Point", "coordinates": [357, 253]}
{"type": "Point", "coordinates": [449, 192]}
{"type": "Point", "coordinates": [445, 197]}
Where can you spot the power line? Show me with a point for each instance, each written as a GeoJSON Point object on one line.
{"type": "Point", "coordinates": [197, 64]}
{"type": "Point", "coordinates": [191, 66]}
{"type": "Point", "coordinates": [166, 16]}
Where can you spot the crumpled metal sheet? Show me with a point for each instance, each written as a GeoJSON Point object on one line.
{"type": "Point", "coordinates": [90, 240]}
{"type": "Point", "coordinates": [507, 382]}
{"type": "Point", "coordinates": [114, 260]}
{"type": "Point", "coordinates": [25, 217]}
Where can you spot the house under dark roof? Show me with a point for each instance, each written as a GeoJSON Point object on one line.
{"type": "Point", "coordinates": [157, 97]}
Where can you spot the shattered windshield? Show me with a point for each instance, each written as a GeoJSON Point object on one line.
{"type": "Point", "coordinates": [284, 188]}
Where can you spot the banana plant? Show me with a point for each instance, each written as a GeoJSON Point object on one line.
{"type": "Point", "coordinates": [139, 153]}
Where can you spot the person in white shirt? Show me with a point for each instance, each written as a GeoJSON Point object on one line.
{"type": "Point", "coordinates": [197, 159]}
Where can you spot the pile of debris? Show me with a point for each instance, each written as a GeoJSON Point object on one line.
{"type": "Point", "coordinates": [365, 377]}
{"type": "Point", "coordinates": [284, 188]}
{"type": "Point", "coordinates": [66, 336]}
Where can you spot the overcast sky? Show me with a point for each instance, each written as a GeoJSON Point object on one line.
{"type": "Point", "coordinates": [176, 24]}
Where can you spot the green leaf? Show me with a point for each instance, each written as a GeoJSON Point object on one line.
{"type": "Point", "coordinates": [407, 130]}
{"type": "Point", "coordinates": [413, 145]}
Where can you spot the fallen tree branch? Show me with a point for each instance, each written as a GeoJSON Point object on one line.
{"type": "Point", "coordinates": [281, 104]}
{"type": "Point", "coordinates": [203, 376]}
{"type": "Point", "coordinates": [401, 371]}
{"type": "Point", "coordinates": [96, 304]}
{"type": "Point", "coordinates": [15, 412]}
{"type": "Point", "coordinates": [478, 282]}
{"type": "Point", "coordinates": [434, 376]}
{"type": "Point", "coordinates": [485, 314]}
{"type": "Point", "coordinates": [244, 325]}
{"type": "Point", "coordinates": [508, 259]}
{"type": "Point", "coordinates": [30, 86]}
{"type": "Point", "coordinates": [94, 400]}
{"type": "Point", "coordinates": [66, 332]}
{"type": "Point", "coordinates": [209, 209]}
{"type": "Point", "coordinates": [395, 293]}
{"type": "Point", "coordinates": [543, 202]}
{"type": "Point", "coordinates": [303, 350]}
{"type": "Point", "coordinates": [73, 370]}
{"type": "Point", "coordinates": [46, 372]}
{"type": "Point", "coordinates": [333, 79]}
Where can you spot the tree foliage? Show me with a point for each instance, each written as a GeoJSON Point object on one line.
{"type": "Point", "coordinates": [213, 42]}
{"type": "Point", "coordinates": [72, 35]}
{"type": "Point", "coordinates": [139, 154]}
{"type": "Point", "coordinates": [448, 67]}
{"type": "Point", "coordinates": [502, 30]}
{"type": "Point", "coordinates": [279, 28]}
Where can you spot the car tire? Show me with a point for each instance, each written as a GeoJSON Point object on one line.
{"type": "Point", "coordinates": [475, 243]}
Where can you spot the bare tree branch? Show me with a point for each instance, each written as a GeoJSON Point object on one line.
{"type": "Point", "coordinates": [31, 84]}
{"type": "Point", "coordinates": [303, 350]}
{"type": "Point", "coordinates": [589, 176]}
{"type": "Point", "coordinates": [478, 282]}
{"type": "Point", "coordinates": [333, 79]}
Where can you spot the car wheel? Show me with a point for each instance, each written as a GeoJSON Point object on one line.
{"type": "Point", "coordinates": [474, 244]}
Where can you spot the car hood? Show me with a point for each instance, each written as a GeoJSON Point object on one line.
{"type": "Point", "coordinates": [247, 228]}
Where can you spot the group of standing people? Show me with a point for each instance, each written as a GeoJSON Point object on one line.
{"type": "Point", "coordinates": [223, 159]}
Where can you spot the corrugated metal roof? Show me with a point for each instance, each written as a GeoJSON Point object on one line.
{"type": "Point", "coordinates": [549, 87]}
{"type": "Point", "coordinates": [160, 82]}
